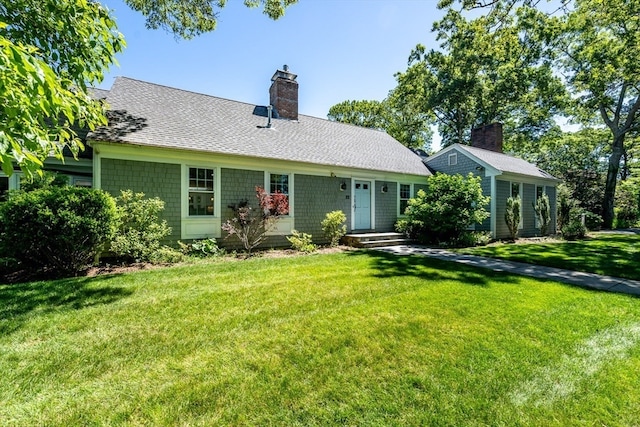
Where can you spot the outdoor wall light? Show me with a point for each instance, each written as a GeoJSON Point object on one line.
{"type": "Point", "coordinates": [343, 186]}
{"type": "Point", "coordinates": [480, 168]}
{"type": "Point", "coordinates": [384, 188]}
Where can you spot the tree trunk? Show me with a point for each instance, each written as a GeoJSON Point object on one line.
{"type": "Point", "coordinates": [612, 180]}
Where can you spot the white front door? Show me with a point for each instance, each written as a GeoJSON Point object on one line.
{"type": "Point", "coordinates": [362, 205]}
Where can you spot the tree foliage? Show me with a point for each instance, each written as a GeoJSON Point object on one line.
{"type": "Point", "coordinates": [442, 213]}
{"type": "Point", "coordinates": [50, 50]}
{"type": "Point", "coordinates": [481, 74]}
{"type": "Point", "coordinates": [599, 50]}
{"type": "Point", "coordinates": [595, 46]}
{"type": "Point", "coordinates": [397, 115]}
{"type": "Point", "coordinates": [190, 18]}
{"type": "Point", "coordinates": [578, 158]}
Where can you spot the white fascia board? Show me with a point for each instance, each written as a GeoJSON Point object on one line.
{"type": "Point", "coordinates": [176, 156]}
{"type": "Point", "coordinates": [528, 179]}
{"type": "Point", "coordinates": [489, 170]}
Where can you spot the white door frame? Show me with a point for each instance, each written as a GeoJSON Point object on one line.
{"type": "Point", "coordinates": [372, 201]}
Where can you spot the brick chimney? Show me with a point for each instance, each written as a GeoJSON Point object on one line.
{"type": "Point", "coordinates": [283, 94]}
{"type": "Point", "coordinates": [488, 137]}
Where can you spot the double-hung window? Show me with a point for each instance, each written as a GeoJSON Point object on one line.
{"type": "Point", "coordinates": [279, 187]}
{"type": "Point", "coordinates": [405, 195]}
{"type": "Point", "coordinates": [201, 191]}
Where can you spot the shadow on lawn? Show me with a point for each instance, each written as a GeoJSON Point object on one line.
{"type": "Point", "coordinates": [19, 301]}
{"type": "Point", "coordinates": [392, 265]}
{"type": "Point", "coordinates": [610, 254]}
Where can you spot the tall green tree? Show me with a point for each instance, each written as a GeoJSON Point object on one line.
{"type": "Point", "coordinates": [595, 45]}
{"type": "Point", "coordinates": [50, 50]}
{"type": "Point", "coordinates": [578, 158]}
{"type": "Point", "coordinates": [189, 18]}
{"type": "Point", "coordinates": [480, 74]}
{"type": "Point", "coordinates": [399, 116]}
{"type": "Point", "coordinates": [599, 48]}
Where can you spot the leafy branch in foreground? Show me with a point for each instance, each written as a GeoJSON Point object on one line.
{"type": "Point", "coordinates": [48, 56]}
{"type": "Point", "coordinates": [190, 18]}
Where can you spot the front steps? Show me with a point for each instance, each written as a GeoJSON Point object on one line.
{"type": "Point", "coordinates": [374, 240]}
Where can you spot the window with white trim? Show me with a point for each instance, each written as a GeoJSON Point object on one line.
{"type": "Point", "coordinates": [453, 159]}
{"type": "Point", "coordinates": [279, 184]}
{"type": "Point", "coordinates": [405, 195]}
{"type": "Point", "coordinates": [201, 191]}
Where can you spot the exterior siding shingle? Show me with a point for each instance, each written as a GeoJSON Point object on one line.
{"type": "Point", "coordinates": [315, 196]}
{"type": "Point", "coordinates": [386, 206]}
{"type": "Point", "coordinates": [153, 179]}
{"type": "Point", "coordinates": [463, 167]}
{"type": "Point", "coordinates": [503, 191]}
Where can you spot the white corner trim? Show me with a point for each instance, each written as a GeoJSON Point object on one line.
{"type": "Point", "coordinates": [494, 207]}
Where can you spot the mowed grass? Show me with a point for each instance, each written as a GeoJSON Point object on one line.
{"type": "Point", "coordinates": [357, 338]}
{"type": "Point", "coordinates": [615, 255]}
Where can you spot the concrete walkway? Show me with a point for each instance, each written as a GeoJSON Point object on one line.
{"type": "Point", "coordinates": [584, 280]}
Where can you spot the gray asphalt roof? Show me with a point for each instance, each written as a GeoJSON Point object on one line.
{"type": "Point", "coordinates": [98, 93]}
{"type": "Point", "coordinates": [148, 114]}
{"type": "Point", "coordinates": [506, 163]}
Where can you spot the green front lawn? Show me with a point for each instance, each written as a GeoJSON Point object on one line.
{"type": "Point", "coordinates": [615, 255]}
{"type": "Point", "coordinates": [358, 338]}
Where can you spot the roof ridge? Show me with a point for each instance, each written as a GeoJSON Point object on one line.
{"type": "Point", "coordinates": [239, 102]}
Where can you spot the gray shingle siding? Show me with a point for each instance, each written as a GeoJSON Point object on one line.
{"type": "Point", "coordinates": [529, 228]}
{"type": "Point", "coordinates": [551, 192]}
{"type": "Point", "coordinates": [464, 166]}
{"type": "Point", "coordinates": [503, 191]}
{"type": "Point", "coordinates": [528, 211]}
{"type": "Point", "coordinates": [386, 206]}
{"type": "Point", "coordinates": [153, 179]}
{"type": "Point", "coordinates": [485, 185]}
{"type": "Point", "coordinates": [237, 185]}
{"type": "Point", "coordinates": [314, 197]}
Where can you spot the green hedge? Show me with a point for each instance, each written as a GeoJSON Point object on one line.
{"type": "Point", "coordinates": [56, 229]}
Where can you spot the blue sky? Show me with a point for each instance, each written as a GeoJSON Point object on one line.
{"type": "Point", "coordinates": [340, 50]}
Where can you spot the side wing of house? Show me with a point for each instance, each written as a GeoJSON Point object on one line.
{"type": "Point", "coordinates": [198, 189]}
{"type": "Point", "coordinates": [500, 184]}
{"type": "Point", "coordinates": [529, 190]}
{"type": "Point", "coordinates": [454, 161]}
